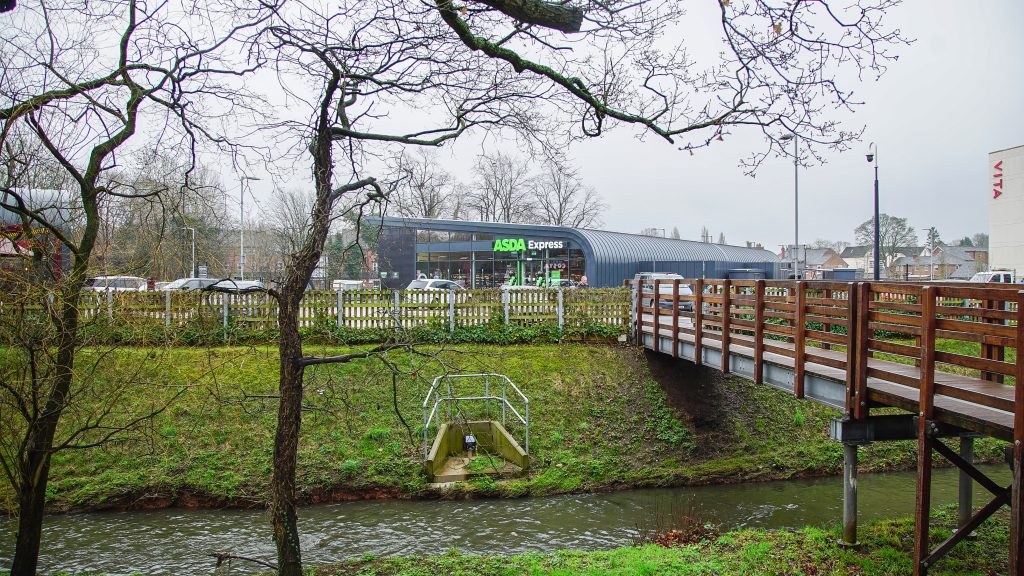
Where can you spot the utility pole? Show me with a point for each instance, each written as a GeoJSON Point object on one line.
{"type": "Point", "coordinates": [241, 225]}
{"type": "Point", "coordinates": [193, 274]}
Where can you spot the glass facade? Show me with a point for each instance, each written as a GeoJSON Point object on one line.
{"type": "Point", "coordinates": [470, 259]}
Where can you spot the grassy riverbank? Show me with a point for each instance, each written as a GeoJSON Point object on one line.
{"type": "Point", "coordinates": [885, 551]}
{"type": "Point", "coordinates": [601, 419]}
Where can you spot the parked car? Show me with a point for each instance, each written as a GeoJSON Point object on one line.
{"type": "Point", "coordinates": [115, 284]}
{"type": "Point", "coordinates": [340, 285]}
{"type": "Point", "coordinates": [646, 280]}
{"type": "Point", "coordinates": [433, 284]}
{"type": "Point", "coordinates": [237, 286]}
{"type": "Point", "coordinates": [190, 284]}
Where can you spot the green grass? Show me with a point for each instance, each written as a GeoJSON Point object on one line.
{"type": "Point", "coordinates": [599, 421]}
{"type": "Point", "coordinates": [885, 551]}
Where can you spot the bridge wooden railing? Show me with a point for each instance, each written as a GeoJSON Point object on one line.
{"type": "Point", "coordinates": [954, 340]}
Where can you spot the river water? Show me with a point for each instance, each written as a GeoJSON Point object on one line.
{"type": "Point", "coordinates": [178, 541]}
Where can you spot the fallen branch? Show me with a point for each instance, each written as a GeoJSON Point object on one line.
{"type": "Point", "coordinates": [222, 556]}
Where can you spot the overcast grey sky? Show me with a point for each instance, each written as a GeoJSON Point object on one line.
{"type": "Point", "coordinates": [956, 94]}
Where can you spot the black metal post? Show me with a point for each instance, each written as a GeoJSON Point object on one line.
{"type": "Point", "coordinates": [877, 253]}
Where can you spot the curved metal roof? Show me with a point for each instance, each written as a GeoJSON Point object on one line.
{"type": "Point", "coordinates": [56, 206]}
{"type": "Point", "coordinates": [618, 247]}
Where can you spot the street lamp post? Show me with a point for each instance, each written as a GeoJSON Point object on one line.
{"type": "Point", "coordinates": [872, 156]}
{"type": "Point", "coordinates": [193, 275]}
{"type": "Point", "coordinates": [796, 204]}
{"type": "Point", "coordinates": [241, 225]}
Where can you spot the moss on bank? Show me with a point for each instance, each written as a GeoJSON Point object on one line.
{"type": "Point", "coordinates": [600, 420]}
{"type": "Point", "coordinates": [885, 551]}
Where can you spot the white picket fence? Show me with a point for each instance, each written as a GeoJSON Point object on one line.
{"type": "Point", "coordinates": [359, 309]}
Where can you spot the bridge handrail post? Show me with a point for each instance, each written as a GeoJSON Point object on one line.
{"type": "Point", "coordinates": [759, 287]}
{"type": "Point", "coordinates": [656, 302]}
{"type": "Point", "coordinates": [800, 323]}
{"type": "Point", "coordinates": [863, 334]}
{"type": "Point", "coordinates": [726, 317]}
{"type": "Point", "coordinates": [675, 318]}
{"type": "Point", "coordinates": [1017, 495]}
{"type": "Point", "coordinates": [853, 400]}
{"type": "Point", "coordinates": [698, 322]}
{"type": "Point", "coordinates": [639, 335]}
{"type": "Point", "coordinates": [926, 407]}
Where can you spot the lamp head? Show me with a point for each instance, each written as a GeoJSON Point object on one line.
{"type": "Point", "coordinates": [872, 152]}
{"type": "Point", "coordinates": [870, 157]}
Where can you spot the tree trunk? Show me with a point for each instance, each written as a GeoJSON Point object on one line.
{"type": "Point", "coordinates": [286, 442]}
{"type": "Point", "coordinates": [35, 469]}
{"type": "Point", "coordinates": [31, 502]}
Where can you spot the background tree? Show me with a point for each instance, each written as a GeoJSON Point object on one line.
{"type": "Point", "coordinates": [675, 232]}
{"type": "Point", "coordinates": [895, 237]}
{"type": "Point", "coordinates": [423, 188]}
{"type": "Point", "coordinates": [980, 240]}
{"type": "Point", "coordinates": [562, 199]}
{"type": "Point", "coordinates": [932, 238]}
{"type": "Point", "coordinates": [80, 82]}
{"type": "Point", "coordinates": [837, 245]}
{"type": "Point", "coordinates": [501, 189]}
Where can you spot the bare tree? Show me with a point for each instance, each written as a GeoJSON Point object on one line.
{"type": "Point", "coordinates": [424, 189]}
{"type": "Point", "coordinates": [562, 199]}
{"type": "Point", "coordinates": [500, 67]}
{"type": "Point", "coordinates": [501, 191]}
{"type": "Point", "coordinates": [895, 237]}
{"type": "Point", "coordinates": [83, 94]}
{"type": "Point", "coordinates": [837, 245]}
{"type": "Point", "coordinates": [675, 232]}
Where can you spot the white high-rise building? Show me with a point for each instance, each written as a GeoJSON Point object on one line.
{"type": "Point", "coordinates": [1006, 209]}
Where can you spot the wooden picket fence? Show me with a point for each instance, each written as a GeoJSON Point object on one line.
{"type": "Point", "coordinates": [364, 309]}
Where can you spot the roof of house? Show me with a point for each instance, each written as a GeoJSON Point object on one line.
{"type": "Point", "coordinates": [855, 251]}
{"type": "Point", "coordinates": [965, 271]}
{"type": "Point", "coordinates": [818, 256]}
{"type": "Point", "coordinates": [966, 253]}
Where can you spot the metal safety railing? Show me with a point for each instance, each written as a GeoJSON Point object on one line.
{"type": "Point", "coordinates": [450, 401]}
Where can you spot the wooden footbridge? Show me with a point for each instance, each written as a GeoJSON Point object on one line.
{"type": "Point", "coordinates": [945, 354]}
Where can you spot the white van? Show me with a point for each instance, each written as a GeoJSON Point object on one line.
{"type": "Point", "coordinates": [646, 280]}
{"type": "Point", "coordinates": [996, 276]}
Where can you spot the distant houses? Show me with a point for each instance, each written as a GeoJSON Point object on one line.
{"type": "Point", "coordinates": [920, 263]}
{"type": "Point", "coordinates": [945, 262]}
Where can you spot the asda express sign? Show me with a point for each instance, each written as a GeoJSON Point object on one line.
{"type": "Point", "coordinates": [521, 245]}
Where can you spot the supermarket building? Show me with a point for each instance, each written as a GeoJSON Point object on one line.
{"type": "Point", "coordinates": [489, 254]}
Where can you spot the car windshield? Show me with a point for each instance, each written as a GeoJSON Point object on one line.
{"type": "Point", "coordinates": [177, 284]}
{"type": "Point", "coordinates": [418, 284]}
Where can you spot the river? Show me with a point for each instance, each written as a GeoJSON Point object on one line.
{"type": "Point", "coordinates": [178, 541]}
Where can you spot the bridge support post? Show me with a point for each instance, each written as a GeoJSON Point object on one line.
{"type": "Point", "coordinates": [849, 495]}
{"type": "Point", "coordinates": [966, 499]}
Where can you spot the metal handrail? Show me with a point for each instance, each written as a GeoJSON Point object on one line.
{"type": "Point", "coordinates": [428, 417]}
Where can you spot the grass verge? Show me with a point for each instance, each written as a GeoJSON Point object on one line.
{"type": "Point", "coordinates": [600, 420]}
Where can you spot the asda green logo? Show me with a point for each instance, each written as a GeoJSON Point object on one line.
{"type": "Point", "coordinates": [509, 245]}
{"type": "Point", "coordinates": [519, 245]}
